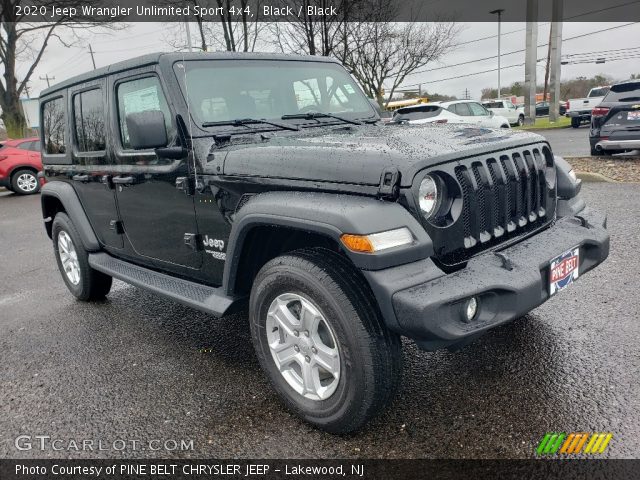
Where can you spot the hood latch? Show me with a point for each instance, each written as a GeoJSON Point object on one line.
{"type": "Point", "coordinates": [389, 183]}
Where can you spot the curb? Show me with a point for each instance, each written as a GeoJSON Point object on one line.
{"type": "Point", "coordinates": [591, 177]}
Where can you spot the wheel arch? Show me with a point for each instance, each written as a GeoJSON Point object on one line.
{"type": "Point", "coordinates": [61, 197]}
{"type": "Point", "coordinates": [277, 222]}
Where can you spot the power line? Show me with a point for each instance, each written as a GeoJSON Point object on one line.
{"type": "Point", "coordinates": [509, 53]}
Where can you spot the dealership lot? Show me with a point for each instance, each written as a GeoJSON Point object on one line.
{"type": "Point", "coordinates": [141, 369]}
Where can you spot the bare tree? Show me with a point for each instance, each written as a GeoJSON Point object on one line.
{"type": "Point", "coordinates": [235, 29]}
{"type": "Point", "coordinates": [24, 41]}
{"type": "Point", "coordinates": [387, 52]}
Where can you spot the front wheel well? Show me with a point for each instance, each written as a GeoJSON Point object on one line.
{"type": "Point", "coordinates": [51, 206]}
{"type": "Point", "coordinates": [264, 243]}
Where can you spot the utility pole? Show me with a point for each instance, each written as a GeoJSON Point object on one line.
{"type": "Point", "coordinates": [556, 52]}
{"type": "Point", "coordinates": [93, 60]}
{"type": "Point", "coordinates": [530, 62]}
{"type": "Point", "coordinates": [47, 78]}
{"type": "Point", "coordinates": [27, 90]}
{"type": "Point", "coordinates": [499, 13]}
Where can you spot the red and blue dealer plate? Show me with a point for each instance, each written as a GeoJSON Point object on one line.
{"type": "Point", "coordinates": [563, 270]}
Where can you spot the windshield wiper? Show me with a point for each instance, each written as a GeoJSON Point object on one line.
{"type": "Point", "coordinates": [314, 115]}
{"type": "Point", "coordinates": [240, 122]}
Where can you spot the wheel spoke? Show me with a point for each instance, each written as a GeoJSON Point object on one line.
{"type": "Point", "coordinates": [310, 379]}
{"type": "Point", "coordinates": [328, 359]}
{"type": "Point", "coordinates": [284, 354]}
{"type": "Point", "coordinates": [285, 318]}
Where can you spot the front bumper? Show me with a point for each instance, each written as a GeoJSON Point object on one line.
{"type": "Point", "coordinates": [431, 311]}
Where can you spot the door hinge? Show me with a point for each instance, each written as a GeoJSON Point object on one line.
{"type": "Point", "coordinates": [389, 183]}
{"type": "Point", "coordinates": [193, 241]}
{"type": "Point", "coordinates": [116, 225]}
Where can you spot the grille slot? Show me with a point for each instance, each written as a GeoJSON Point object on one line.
{"type": "Point", "coordinates": [503, 197]}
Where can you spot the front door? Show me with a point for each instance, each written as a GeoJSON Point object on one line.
{"type": "Point", "coordinates": [156, 216]}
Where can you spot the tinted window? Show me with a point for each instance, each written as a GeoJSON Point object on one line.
{"type": "Point", "coordinates": [406, 114]}
{"type": "Point", "coordinates": [139, 96]}
{"type": "Point", "coordinates": [624, 92]}
{"type": "Point", "coordinates": [478, 110]}
{"type": "Point", "coordinates": [26, 146]}
{"type": "Point", "coordinates": [598, 92]}
{"type": "Point", "coordinates": [54, 121]}
{"type": "Point", "coordinates": [461, 109]}
{"type": "Point", "coordinates": [88, 113]}
{"type": "Point", "coordinates": [493, 104]}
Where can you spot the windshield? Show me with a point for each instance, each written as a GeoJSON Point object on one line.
{"type": "Point", "coordinates": [227, 90]}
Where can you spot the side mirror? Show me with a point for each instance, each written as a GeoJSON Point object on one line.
{"type": "Point", "coordinates": [491, 114]}
{"type": "Point", "coordinates": [146, 130]}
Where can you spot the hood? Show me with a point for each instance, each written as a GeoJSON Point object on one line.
{"type": "Point", "coordinates": [359, 154]}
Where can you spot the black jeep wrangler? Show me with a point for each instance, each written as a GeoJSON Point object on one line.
{"type": "Point", "coordinates": [230, 180]}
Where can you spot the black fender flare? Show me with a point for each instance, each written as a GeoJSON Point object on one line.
{"type": "Point", "coordinates": [67, 196]}
{"type": "Point", "coordinates": [330, 215]}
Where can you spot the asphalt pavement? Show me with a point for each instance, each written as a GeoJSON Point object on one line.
{"type": "Point", "coordinates": [568, 142]}
{"type": "Point", "coordinates": [139, 368]}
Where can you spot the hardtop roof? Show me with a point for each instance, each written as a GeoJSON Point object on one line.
{"type": "Point", "coordinates": [154, 58]}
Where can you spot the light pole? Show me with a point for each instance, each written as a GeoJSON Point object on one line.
{"type": "Point", "coordinates": [499, 13]}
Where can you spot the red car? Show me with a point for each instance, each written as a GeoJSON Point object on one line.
{"type": "Point", "coordinates": [19, 165]}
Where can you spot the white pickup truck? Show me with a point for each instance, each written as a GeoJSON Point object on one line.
{"type": "Point", "coordinates": [579, 109]}
{"type": "Point", "coordinates": [506, 109]}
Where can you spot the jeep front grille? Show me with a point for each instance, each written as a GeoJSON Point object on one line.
{"type": "Point", "coordinates": [504, 195]}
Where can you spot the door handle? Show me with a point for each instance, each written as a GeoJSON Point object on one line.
{"type": "Point", "coordinates": [123, 180]}
{"type": "Point", "coordinates": [80, 178]}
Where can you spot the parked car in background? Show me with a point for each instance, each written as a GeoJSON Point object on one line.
{"type": "Point", "coordinates": [19, 165]}
{"type": "Point", "coordinates": [457, 111]}
{"type": "Point", "coordinates": [506, 109]}
{"type": "Point", "coordinates": [542, 109]}
{"type": "Point", "coordinates": [615, 123]}
{"type": "Point", "coordinates": [579, 109]}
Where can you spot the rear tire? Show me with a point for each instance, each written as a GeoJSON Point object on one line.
{"type": "Point", "coordinates": [83, 282]}
{"type": "Point", "coordinates": [575, 122]}
{"type": "Point", "coordinates": [25, 182]}
{"type": "Point", "coordinates": [366, 355]}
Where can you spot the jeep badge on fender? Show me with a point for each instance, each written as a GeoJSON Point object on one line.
{"type": "Point", "coordinates": [226, 181]}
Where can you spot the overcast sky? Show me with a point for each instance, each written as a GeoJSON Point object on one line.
{"type": "Point", "coordinates": [141, 38]}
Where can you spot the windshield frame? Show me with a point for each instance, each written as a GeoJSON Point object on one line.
{"type": "Point", "coordinates": [368, 116]}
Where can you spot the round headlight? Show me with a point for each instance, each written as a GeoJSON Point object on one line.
{"type": "Point", "coordinates": [429, 196]}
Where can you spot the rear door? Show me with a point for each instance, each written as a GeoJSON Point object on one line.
{"type": "Point", "coordinates": [159, 219]}
{"type": "Point", "coordinates": [462, 109]}
{"type": "Point", "coordinates": [93, 167]}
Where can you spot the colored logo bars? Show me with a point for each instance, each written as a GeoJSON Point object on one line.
{"type": "Point", "coordinates": [574, 443]}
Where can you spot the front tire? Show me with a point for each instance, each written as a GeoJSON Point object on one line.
{"type": "Point", "coordinates": [25, 182]}
{"type": "Point", "coordinates": [83, 282]}
{"type": "Point", "coordinates": [320, 338]}
{"type": "Point", "coordinates": [521, 120]}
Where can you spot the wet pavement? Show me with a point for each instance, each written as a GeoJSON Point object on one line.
{"type": "Point", "coordinates": [137, 367]}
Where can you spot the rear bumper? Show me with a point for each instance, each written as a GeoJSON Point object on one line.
{"type": "Point", "coordinates": [618, 144]}
{"type": "Point", "coordinates": [431, 310]}
{"type": "Point", "coordinates": [580, 114]}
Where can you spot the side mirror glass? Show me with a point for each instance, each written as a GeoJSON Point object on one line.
{"type": "Point", "coordinates": [146, 130]}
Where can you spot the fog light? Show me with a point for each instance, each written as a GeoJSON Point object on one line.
{"type": "Point", "coordinates": [471, 308]}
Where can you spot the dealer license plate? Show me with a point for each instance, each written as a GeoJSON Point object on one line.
{"type": "Point", "coordinates": [563, 270]}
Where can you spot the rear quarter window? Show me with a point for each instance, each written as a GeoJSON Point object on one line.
{"type": "Point", "coordinates": [416, 113]}
{"type": "Point", "coordinates": [54, 121]}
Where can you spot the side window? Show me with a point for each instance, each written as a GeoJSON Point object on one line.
{"type": "Point", "coordinates": [53, 122]}
{"type": "Point", "coordinates": [88, 116]}
{"type": "Point", "coordinates": [461, 109]}
{"type": "Point", "coordinates": [477, 110]}
{"type": "Point", "coordinates": [25, 146]}
{"type": "Point", "coordinates": [140, 95]}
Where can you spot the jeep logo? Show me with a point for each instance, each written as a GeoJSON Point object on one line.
{"type": "Point", "coordinates": [213, 242]}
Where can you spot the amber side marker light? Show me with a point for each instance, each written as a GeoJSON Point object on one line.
{"type": "Point", "coordinates": [376, 242]}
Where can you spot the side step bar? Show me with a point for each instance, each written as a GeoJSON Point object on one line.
{"type": "Point", "coordinates": [201, 297]}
